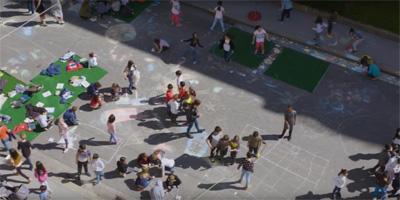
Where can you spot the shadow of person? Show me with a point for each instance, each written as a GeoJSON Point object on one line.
{"type": "Point", "coordinates": [159, 138]}
{"type": "Point", "coordinates": [86, 107]}
{"type": "Point", "coordinates": [362, 180]}
{"type": "Point", "coordinates": [48, 146]}
{"type": "Point", "coordinates": [112, 174]}
{"type": "Point", "coordinates": [92, 142]}
{"type": "Point", "coordinates": [187, 161]}
{"type": "Point", "coordinates": [362, 156]}
{"type": "Point", "coordinates": [66, 177]}
{"type": "Point", "coordinates": [310, 195]}
{"type": "Point", "coordinates": [157, 100]}
{"type": "Point", "coordinates": [220, 186]}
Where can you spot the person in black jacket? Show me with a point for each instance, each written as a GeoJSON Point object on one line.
{"type": "Point", "coordinates": [194, 43]}
{"type": "Point", "coordinates": [171, 182]}
{"type": "Point", "coordinates": [226, 44]}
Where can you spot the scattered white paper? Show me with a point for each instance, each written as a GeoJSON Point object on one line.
{"type": "Point", "coordinates": [58, 92]}
{"type": "Point", "coordinates": [51, 139]}
{"type": "Point", "coordinates": [60, 86]}
{"type": "Point", "coordinates": [12, 93]}
{"type": "Point", "coordinates": [50, 109]}
{"type": "Point", "coordinates": [46, 94]}
{"type": "Point", "coordinates": [39, 104]}
{"type": "Point", "coordinates": [85, 84]}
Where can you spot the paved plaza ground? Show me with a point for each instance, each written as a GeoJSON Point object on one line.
{"type": "Point", "coordinates": [344, 123]}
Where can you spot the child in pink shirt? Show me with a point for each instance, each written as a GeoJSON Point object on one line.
{"type": "Point", "coordinates": [41, 174]}
{"type": "Point", "coordinates": [111, 129]}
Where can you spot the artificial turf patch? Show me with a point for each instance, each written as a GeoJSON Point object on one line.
{"type": "Point", "coordinates": [49, 84]}
{"type": "Point", "coordinates": [298, 69]}
{"type": "Point", "coordinates": [244, 49]}
{"type": "Point", "coordinates": [137, 7]}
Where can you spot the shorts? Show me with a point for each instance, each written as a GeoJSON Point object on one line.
{"type": "Point", "coordinates": [259, 46]}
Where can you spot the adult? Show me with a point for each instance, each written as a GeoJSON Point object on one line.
{"type": "Point", "coordinates": [226, 44]}
{"type": "Point", "coordinates": [219, 16]}
{"type": "Point", "coordinates": [212, 141]}
{"type": "Point", "coordinates": [247, 169]}
{"type": "Point", "coordinates": [160, 45]}
{"type": "Point", "coordinates": [286, 7]}
{"type": "Point", "coordinates": [70, 116]}
{"type": "Point", "coordinates": [82, 159]}
{"type": "Point", "coordinates": [30, 6]}
{"type": "Point", "coordinates": [132, 74]}
{"type": "Point", "coordinates": [289, 122]}
{"type": "Point", "coordinates": [157, 192]}
{"type": "Point", "coordinates": [26, 148]}
{"type": "Point", "coordinates": [194, 43]}
{"type": "Point", "coordinates": [340, 182]}
{"type": "Point", "coordinates": [259, 36]}
{"type": "Point", "coordinates": [41, 9]}
{"type": "Point", "coordinates": [57, 11]}
{"type": "Point", "coordinates": [193, 118]}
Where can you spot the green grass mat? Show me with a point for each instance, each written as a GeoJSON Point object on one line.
{"type": "Point", "coordinates": [244, 49]}
{"type": "Point", "coordinates": [11, 81]}
{"type": "Point", "coordinates": [298, 69]}
{"type": "Point", "coordinates": [49, 83]}
{"type": "Point", "coordinates": [137, 7]}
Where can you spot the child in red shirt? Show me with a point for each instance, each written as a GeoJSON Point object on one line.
{"type": "Point", "coordinates": [96, 102]}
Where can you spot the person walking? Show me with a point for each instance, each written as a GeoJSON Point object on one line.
{"type": "Point", "coordinates": [193, 118]}
{"type": "Point", "coordinates": [290, 121]}
{"type": "Point", "coordinates": [194, 43]}
{"type": "Point", "coordinates": [356, 39]}
{"type": "Point", "coordinates": [111, 129]}
{"type": "Point", "coordinates": [247, 169]}
{"type": "Point", "coordinates": [41, 9]}
{"type": "Point", "coordinates": [15, 159]}
{"type": "Point", "coordinates": [30, 6]}
{"type": "Point", "coordinates": [83, 157]}
{"type": "Point", "coordinates": [212, 141]}
{"type": "Point", "coordinates": [26, 148]}
{"type": "Point", "coordinates": [98, 166]}
{"type": "Point", "coordinates": [174, 109]}
{"type": "Point", "coordinates": [41, 174]}
{"type": "Point", "coordinates": [43, 194]}
{"type": "Point", "coordinates": [254, 144]}
{"type": "Point", "coordinates": [63, 131]}
{"type": "Point", "coordinates": [340, 182]}
{"type": "Point", "coordinates": [259, 36]}
{"type": "Point", "coordinates": [226, 44]}
{"type": "Point", "coordinates": [132, 74]}
{"type": "Point", "coordinates": [176, 13]}
{"type": "Point", "coordinates": [286, 7]}
{"type": "Point", "coordinates": [219, 16]}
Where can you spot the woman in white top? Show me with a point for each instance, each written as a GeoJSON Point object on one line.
{"type": "Point", "coordinates": [340, 182]}
{"type": "Point", "coordinates": [219, 16]}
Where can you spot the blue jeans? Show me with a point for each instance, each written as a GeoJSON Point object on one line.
{"type": "Point", "coordinates": [113, 138]}
{"type": "Point", "coordinates": [29, 162]}
{"type": "Point", "coordinates": [6, 144]}
{"type": "Point", "coordinates": [247, 175]}
{"type": "Point", "coordinates": [99, 175]}
{"type": "Point", "coordinates": [30, 6]}
{"type": "Point", "coordinates": [336, 193]}
{"type": "Point", "coordinates": [221, 22]}
{"type": "Point", "coordinates": [130, 86]}
{"type": "Point", "coordinates": [195, 123]}
{"type": "Point", "coordinates": [193, 51]}
{"type": "Point", "coordinates": [227, 55]}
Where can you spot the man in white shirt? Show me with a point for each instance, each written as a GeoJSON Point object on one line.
{"type": "Point", "coordinates": [219, 16]}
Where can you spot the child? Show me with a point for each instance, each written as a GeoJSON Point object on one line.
{"type": "Point", "coordinates": [98, 166]}
{"type": "Point", "coordinates": [175, 13]}
{"type": "Point", "coordinates": [219, 16]}
{"type": "Point", "coordinates": [319, 28]}
{"type": "Point", "coordinates": [26, 148]}
{"type": "Point", "coordinates": [174, 109]}
{"type": "Point", "coordinates": [122, 167]}
{"type": "Point", "coordinates": [115, 91]}
{"type": "Point", "coordinates": [41, 174]}
{"type": "Point", "coordinates": [15, 159]}
{"type": "Point", "coordinates": [356, 39]}
{"type": "Point", "coordinates": [179, 78]}
{"type": "Point", "coordinates": [254, 143]}
{"type": "Point", "coordinates": [96, 102]}
{"type": "Point", "coordinates": [143, 179]}
{"type": "Point", "coordinates": [143, 160]}
{"type": "Point", "coordinates": [222, 147]}
{"type": "Point", "coordinates": [111, 129]}
{"type": "Point", "coordinates": [171, 182]}
{"type": "Point", "coordinates": [132, 74]}
{"type": "Point", "coordinates": [92, 62]}
{"type": "Point", "coordinates": [234, 146]}
{"type": "Point", "coordinates": [43, 195]}
{"type": "Point", "coordinates": [63, 131]}
{"type": "Point", "coordinates": [155, 158]}
{"type": "Point", "coordinates": [212, 141]}
{"type": "Point", "coordinates": [227, 45]}
{"type": "Point", "coordinates": [169, 95]}
{"type": "Point", "coordinates": [259, 36]}
{"type": "Point", "coordinates": [340, 182]}
{"type": "Point", "coordinates": [160, 45]}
